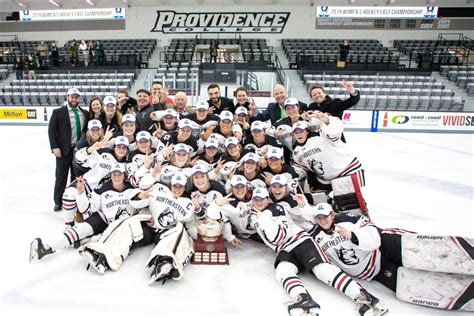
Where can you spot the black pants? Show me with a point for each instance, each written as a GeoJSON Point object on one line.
{"type": "Point", "coordinates": [63, 165]}
{"type": "Point", "coordinates": [391, 260]}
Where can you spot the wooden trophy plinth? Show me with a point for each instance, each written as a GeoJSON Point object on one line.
{"type": "Point", "coordinates": [210, 251]}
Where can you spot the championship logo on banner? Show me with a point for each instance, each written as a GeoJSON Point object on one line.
{"type": "Point", "coordinates": [73, 14]}
{"type": "Point", "coordinates": [377, 12]}
{"type": "Point", "coordinates": [241, 22]}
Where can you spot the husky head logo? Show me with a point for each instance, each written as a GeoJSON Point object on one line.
{"type": "Point", "coordinates": [347, 256]}
{"type": "Point", "coordinates": [166, 219]}
{"type": "Point", "coordinates": [316, 167]}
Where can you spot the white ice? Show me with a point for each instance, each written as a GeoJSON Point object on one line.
{"type": "Point", "coordinates": [419, 182]}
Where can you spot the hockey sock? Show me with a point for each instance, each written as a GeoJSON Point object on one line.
{"type": "Point", "coordinates": [286, 275]}
{"type": "Point", "coordinates": [332, 275]}
{"type": "Point", "coordinates": [73, 234]}
{"type": "Point", "coordinates": [69, 207]}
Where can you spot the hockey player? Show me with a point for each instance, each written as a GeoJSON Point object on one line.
{"type": "Point", "coordinates": [326, 155]}
{"type": "Point", "coordinates": [296, 252]}
{"type": "Point", "coordinates": [170, 209]}
{"type": "Point", "coordinates": [129, 128]}
{"type": "Point", "coordinates": [234, 210]}
{"type": "Point", "coordinates": [242, 118]}
{"type": "Point", "coordinates": [182, 135]}
{"type": "Point", "coordinates": [166, 122]}
{"type": "Point", "coordinates": [251, 171]}
{"type": "Point", "coordinates": [205, 189]}
{"type": "Point", "coordinates": [211, 156]}
{"type": "Point", "coordinates": [99, 160]}
{"type": "Point", "coordinates": [435, 271]}
{"type": "Point", "coordinates": [138, 162]}
{"type": "Point", "coordinates": [202, 117]}
{"type": "Point", "coordinates": [106, 204]}
{"type": "Point", "coordinates": [226, 128]}
{"type": "Point", "coordinates": [175, 158]}
{"type": "Point", "coordinates": [274, 164]}
{"type": "Point", "coordinates": [258, 141]}
{"type": "Point", "coordinates": [232, 155]}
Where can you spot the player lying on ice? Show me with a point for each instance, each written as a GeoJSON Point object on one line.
{"type": "Point", "coordinates": [297, 252]}
{"type": "Point", "coordinates": [428, 270]}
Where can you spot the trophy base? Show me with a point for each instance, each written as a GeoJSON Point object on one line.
{"type": "Point", "coordinates": [210, 252]}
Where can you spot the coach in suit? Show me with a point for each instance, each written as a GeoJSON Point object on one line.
{"type": "Point", "coordinates": [276, 110]}
{"type": "Point", "coordinates": [65, 128]}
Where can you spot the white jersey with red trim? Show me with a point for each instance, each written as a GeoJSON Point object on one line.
{"type": "Point", "coordinates": [326, 155]}
{"type": "Point", "coordinates": [167, 210]}
{"type": "Point", "coordinates": [100, 163]}
{"type": "Point", "coordinates": [277, 230]}
{"type": "Point", "coordinates": [358, 256]}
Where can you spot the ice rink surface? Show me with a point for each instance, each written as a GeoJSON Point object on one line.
{"type": "Point", "coordinates": [419, 182]}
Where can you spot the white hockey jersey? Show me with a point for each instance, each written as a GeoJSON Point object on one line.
{"type": "Point", "coordinates": [108, 202]}
{"type": "Point", "coordinates": [236, 214]}
{"type": "Point", "coordinates": [164, 177]}
{"type": "Point", "coordinates": [167, 210]}
{"type": "Point", "coordinates": [326, 155]}
{"type": "Point", "coordinates": [135, 167]}
{"type": "Point", "coordinates": [360, 259]}
{"type": "Point", "coordinates": [100, 163]}
{"type": "Point", "coordinates": [277, 230]}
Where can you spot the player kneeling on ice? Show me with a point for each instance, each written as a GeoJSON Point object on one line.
{"type": "Point", "coordinates": [436, 271]}
{"type": "Point", "coordinates": [297, 252]}
{"type": "Point", "coordinates": [107, 204]}
{"type": "Point", "coordinates": [170, 209]}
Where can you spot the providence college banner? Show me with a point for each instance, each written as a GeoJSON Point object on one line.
{"type": "Point", "coordinates": [218, 22]}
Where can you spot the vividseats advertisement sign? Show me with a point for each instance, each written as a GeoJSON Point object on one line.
{"type": "Point", "coordinates": [219, 22]}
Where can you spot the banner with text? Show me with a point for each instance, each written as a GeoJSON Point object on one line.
{"type": "Point", "coordinates": [219, 22]}
{"type": "Point", "coordinates": [377, 12]}
{"type": "Point", "coordinates": [73, 14]}
{"type": "Point", "coordinates": [435, 121]}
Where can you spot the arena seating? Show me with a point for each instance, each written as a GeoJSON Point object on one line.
{"type": "Point", "coordinates": [178, 75]}
{"type": "Point", "coordinates": [117, 52]}
{"type": "Point", "coordinates": [256, 50]}
{"type": "Point", "coordinates": [5, 71]}
{"type": "Point", "coordinates": [391, 92]}
{"type": "Point", "coordinates": [463, 76]}
{"type": "Point", "coordinates": [327, 50]}
{"type": "Point", "coordinates": [180, 50]}
{"type": "Point", "coordinates": [51, 88]}
{"type": "Point", "coordinates": [434, 51]}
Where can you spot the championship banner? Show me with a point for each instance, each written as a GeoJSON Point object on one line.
{"type": "Point", "coordinates": [73, 14]}
{"type": "Point", "coordinates": [218, 22]}
{"type": "Point", "coordinates": [436, 121]}
{"type": "Point", "coordinates": [377, 12]}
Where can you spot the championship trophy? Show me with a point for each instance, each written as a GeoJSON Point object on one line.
{"type": "Point", "coordinates": [209, 245]}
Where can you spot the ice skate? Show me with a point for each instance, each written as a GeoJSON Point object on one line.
{"type": "Point", "coordinates": [95, 260]}
{"type": "Point", "coordinates": [38, 250]}
{"type": "Point", "coordinates": [161, 270]}
{"type": "Point", "coordinates": [369, 304]}
{"type": "Point", "coordinates": [305, 306]}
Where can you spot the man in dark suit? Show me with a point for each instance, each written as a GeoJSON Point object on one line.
{"type": "Point", "coordinates": [65, 128]}
{"type": "Point", "coordinates": [276, 110]}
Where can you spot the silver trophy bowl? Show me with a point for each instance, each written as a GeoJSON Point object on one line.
{"type": "Point", "coordinates": [210, 229]}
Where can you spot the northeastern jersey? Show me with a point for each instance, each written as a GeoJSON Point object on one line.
{"type": "Point", "coordinates": [100, 163]}
{"type": "Point", "coordinates": [358, 256]}
{"type": "Point", "coordinates": [326, 155]}
{"type": "Point", "coordinates": [236, 214]}
{"type": "Point", "coordinates": [167, 210]}
{"type": "Point", "coordinates": [277, 230]}
{"type": "Point", "coordinates": [135, 167]}
{"type": "Point", "coordinates": [108, 202]}
{"type": "Point", "coordinates": [164, 176]}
